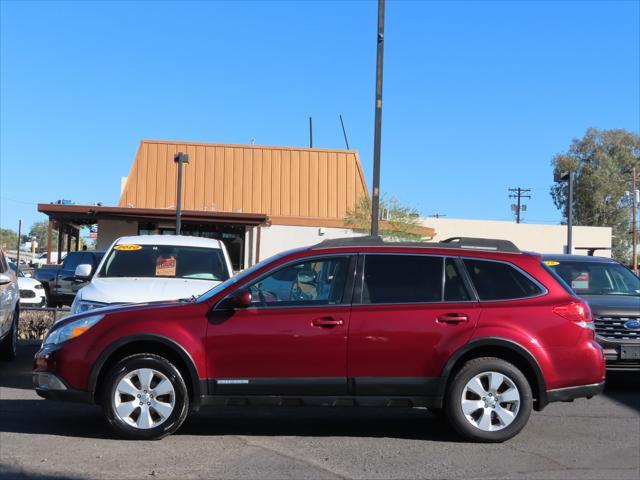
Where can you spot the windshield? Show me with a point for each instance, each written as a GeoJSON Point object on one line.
{"type": "Point", "coordinates": [165, 261]}
{"type": "Point", "coordinates": [594, 278]}
{"type": "Point", "coordinates": [239, 277]}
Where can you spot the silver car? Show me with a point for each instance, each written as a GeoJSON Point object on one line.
{"type": "Point", "coordinates": [9, 310]}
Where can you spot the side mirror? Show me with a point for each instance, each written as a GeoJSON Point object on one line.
{"type": "Point", "coordinates": [83, 271]}
{"type": "Point", "coordinates": [5, 279]}
{"type": "Point", "coordinates": [27, 275]}
{"type": "Point", "coordinates": [240, 299]}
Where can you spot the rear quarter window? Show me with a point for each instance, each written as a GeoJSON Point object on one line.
{"type": "Point", "coordinates": [500, 281]}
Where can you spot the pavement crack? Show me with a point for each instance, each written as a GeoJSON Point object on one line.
{"type": "Point", "coordinates": [538, 455]}
{"type": "Point", "coordinates": [305, 461]}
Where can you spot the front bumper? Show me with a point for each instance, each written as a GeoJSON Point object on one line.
{"type": "Point", "coordinates": [570, 393]}
{"type": "Point", "coordinates": [52, 387]}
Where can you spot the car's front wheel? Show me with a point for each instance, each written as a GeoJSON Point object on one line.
{"type": "Point", "coordinates": [489, 400]}
{"type": "Point", "coordinates": [144, 397]}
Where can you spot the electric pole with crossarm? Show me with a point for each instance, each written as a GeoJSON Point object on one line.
{"type": "Point", "coordinates": [519, 194]}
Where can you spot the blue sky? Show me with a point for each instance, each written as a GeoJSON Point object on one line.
{"type": "Point", "coordinates": [478, 96]}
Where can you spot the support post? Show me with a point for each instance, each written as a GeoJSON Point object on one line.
{"type": "Point", "coordinates": [375, 197]}
{"type": "Point", "coordinates": [19, 237]}
{"type": "Point", "coordinates": [49, 240]}
{"type": "Point", "coordinates": [180, 158]}
{"type": "Point", "coordinates": [634, 214]}
{"type": "Point", "coordinates": [60, 241]}
{"type": "Point", "coordinates": [570, 215]}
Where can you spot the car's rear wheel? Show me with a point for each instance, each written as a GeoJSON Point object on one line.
{"type": "Point", "coordinates": [144, 397]}
{"type": "Point", "coordinates": [489, 400]}
{"type": "Point", "coordinates": [9, 346]}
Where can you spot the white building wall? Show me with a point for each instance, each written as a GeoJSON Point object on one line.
{"type": "Point", "coordinates": [527, 236]}
{"type": "Point", "coordinates": [109, 230]}
{"type": "Point", "coordinates": [277, 238]}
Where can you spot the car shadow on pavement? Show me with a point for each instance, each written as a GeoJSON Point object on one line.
{"type": "Point", "coordinates": [17, 373]}
{"type": "Point", "coordinates": [624, 388]}
{"type": "Point", "coordinates": [42, 417]}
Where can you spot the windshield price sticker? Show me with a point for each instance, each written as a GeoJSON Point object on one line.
{"type": "Point", "coordinates": [166, 267]}
{"type": "Point", "coordinates": [127, 247]}
{"type": "Point", "coordinates": [551, 263]}
{"type": "Point", "coordinates": [581, 282]}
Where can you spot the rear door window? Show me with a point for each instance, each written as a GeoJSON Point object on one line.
{"type": "Point", "coordinates": [499, 281]}
{"type": "Point", "coordinates": [454, 287]}
{"type": "Point", "coordinates": [402, 279]}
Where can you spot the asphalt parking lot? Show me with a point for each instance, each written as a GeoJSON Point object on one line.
{"type": "Point", "coordinates": [587, 439]}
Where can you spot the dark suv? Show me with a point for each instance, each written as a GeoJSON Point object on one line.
{"type": "Point", "coordinates": [613, 294]}
{"type": "Point", "coordinates": [472, 327]}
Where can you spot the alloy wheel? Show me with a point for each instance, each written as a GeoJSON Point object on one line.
{"type": "Point", "coordinates": [144, 398]}
{"type": "Point", "coordinates": [490, 401]}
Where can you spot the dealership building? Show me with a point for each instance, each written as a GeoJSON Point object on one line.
{"type": "Point", "coordinates": [262, 200]}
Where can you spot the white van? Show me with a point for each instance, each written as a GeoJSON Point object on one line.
{"type": "Point", "coordinates": [149, 268]}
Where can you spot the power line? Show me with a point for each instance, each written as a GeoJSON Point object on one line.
{"type": "Point", "coordinates": [519, 194]}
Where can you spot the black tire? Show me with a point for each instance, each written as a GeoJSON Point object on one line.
{"type": "Point", "coordinates": [52, 302]}
{"type": "Point", "coordinates": [458, 419]}
{"type": "Point", "coordinates": [9, 346]}
{"type": "Point", "coordinates": [129, 365]}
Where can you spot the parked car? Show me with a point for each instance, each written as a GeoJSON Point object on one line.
{"type": "Point", "coordinates": [41, 259]}
{"type": "Point", "coordinates": [473, 326]}
{"type": "Point", "coordinates": [32, 292]}
{"type": "Point", "coordinates": [149, 268]}
{"type": "Point", "coordinates": [61, 283]}
{"type": "Point", "coordinates": [613, 294]}
{"type": "Point", "coordinates": [9, 310]}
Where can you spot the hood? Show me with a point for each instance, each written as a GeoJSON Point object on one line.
{"type": "Point", "coordinates": [604, 305]}
{"type": "Point", "coordinates": [25, 283]}
{"type": "Point", "coordinates": [143, 290]}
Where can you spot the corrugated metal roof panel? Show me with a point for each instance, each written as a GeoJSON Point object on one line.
{"type": "Point", "coordinates": [285, 183]}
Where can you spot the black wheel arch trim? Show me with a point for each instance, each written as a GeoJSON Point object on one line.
{"type": "Point", "coordinates": [199, 387]}
{"type": "Point", "coordinates": [541, 394]}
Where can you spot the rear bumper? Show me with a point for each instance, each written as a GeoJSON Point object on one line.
{"type": "Point", "coordinates": [570, 393]}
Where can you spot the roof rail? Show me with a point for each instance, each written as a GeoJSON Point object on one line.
{"type": "Point", "coordinates": [474, 243]}
{"type": "Point", "coordinates": [466, 243]}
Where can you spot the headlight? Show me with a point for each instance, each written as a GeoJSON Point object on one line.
{"type": "Point", "coordinates": [38, 287]}
{"type": "Point", "coordinates": [81, 306]}
{"type": "Point", "coordinates": [71, 330]}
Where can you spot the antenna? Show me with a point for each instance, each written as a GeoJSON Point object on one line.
{"type": "Point", "coordinates": [344, 132]}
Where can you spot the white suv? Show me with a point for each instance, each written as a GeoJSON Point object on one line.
{"type": "Point", "coordinates": [9, 310]}
{"type": "Point", "coordinates": [150, 268]}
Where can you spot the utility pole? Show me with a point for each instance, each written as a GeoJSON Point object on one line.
{"type": "Point", "coordinates": [310, 132]}
{"type": "Point", "coordinates": [180, 158]}
{"type": "Point", "coordinates": [375, 197]}
{"type": "Point", "coordinates": [519, 194]}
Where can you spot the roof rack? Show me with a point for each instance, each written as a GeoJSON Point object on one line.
{"type": "Point", "coordinates": [466, 243]}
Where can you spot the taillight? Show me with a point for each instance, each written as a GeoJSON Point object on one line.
{"type": "Point", "coordinates": [578, 312]}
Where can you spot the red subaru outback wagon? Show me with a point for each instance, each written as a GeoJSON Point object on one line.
{"type": "Point", "coordinates": [472, 328]}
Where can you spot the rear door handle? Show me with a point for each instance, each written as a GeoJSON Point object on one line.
{"type": "Point", "coordinates": [453, 318]}
{"type": "Point", "coordinates": [327, 322]}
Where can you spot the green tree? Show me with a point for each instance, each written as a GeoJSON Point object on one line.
{"type": "Point", "coordinates": [39, 231]}
{"type": "Point", "coordinates": [8, 239]}
{"type": "Point", "coordinates": [602, 162]}
{"type": "Point", "coordinates": [397, 222]}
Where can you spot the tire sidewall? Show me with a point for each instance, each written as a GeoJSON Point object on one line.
{"type": "Point", "coordinates": [454, 409]}
{"type": "Point", "coordinates": [160, 364]}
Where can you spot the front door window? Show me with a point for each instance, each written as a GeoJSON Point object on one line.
{"type": "Point", "coordinates": [313, 283]}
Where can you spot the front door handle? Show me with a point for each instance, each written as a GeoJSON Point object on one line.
{"type": "Point", "coordinates": [453, 318]}
{"type": "Point", "coordinates": [327, 322]}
